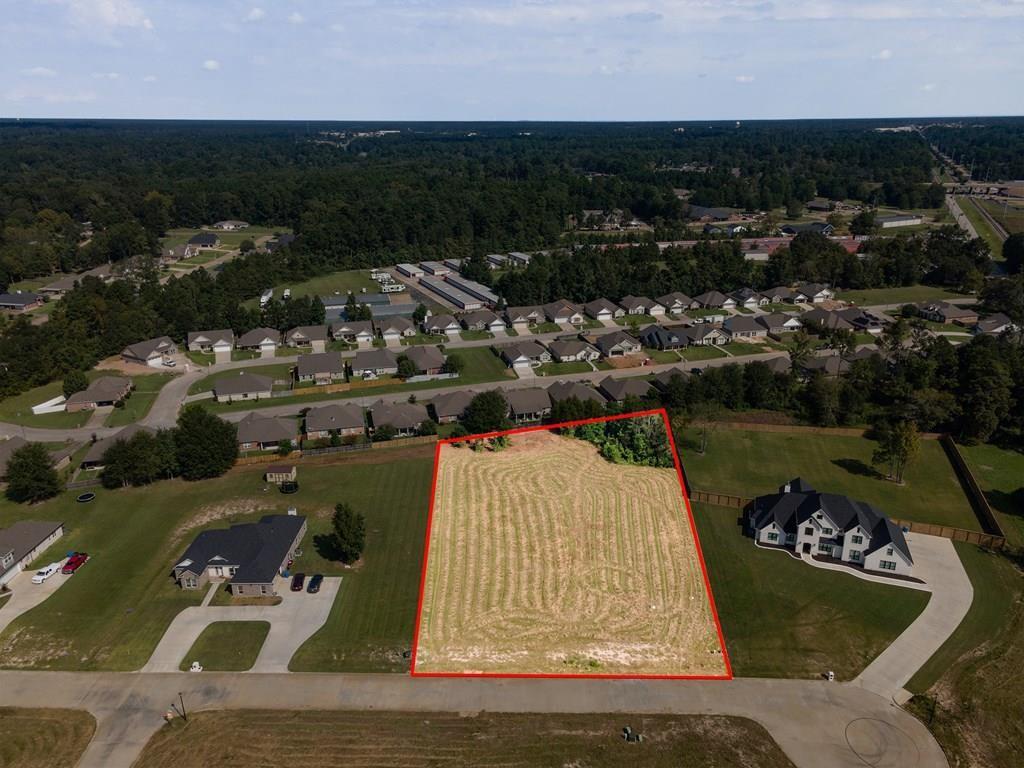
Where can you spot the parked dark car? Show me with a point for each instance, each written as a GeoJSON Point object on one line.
{"type": "Point", "coordinates": [74, 562]}
{"type": "Point", "coordinates": [298, 581]}
{"type": "Point", "coordinates": [314, 583]}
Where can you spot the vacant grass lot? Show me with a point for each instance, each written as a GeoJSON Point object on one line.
{"type": "Point", "coordinates": [274, 371]}
{"type": "Point", "coordinates": [135, 534]}
{"type": "Point", "coordinates": [227, 646]}
{"type": "Point", "coordinates": [142, 398]}
{"type": "Point", "coordinates": [696, 354]}
{"type": "Point", "coordinates": [981, 226]}
{"type": "Point", "coordinates": [749, 463]}
{"type": "Point", "coordinates": [784, 618]}
{"type": "Point", "coordinates": [228, 240]}
{"type": "Point", "coordinates": [1000, 473]}
{"type": "Point", "coordinates": [901, 295]}
{"type": "Point", "coordinates": [317, 739]}
{"type": "Point", "coordinates": [556, 369]}
{"type": "Point", "coordinates": [43, 738]}
{"type": "Point", "coordinates": [1010, 216]}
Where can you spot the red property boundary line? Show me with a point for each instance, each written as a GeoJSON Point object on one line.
{"type": "Point", "coordinates": [693, 530]}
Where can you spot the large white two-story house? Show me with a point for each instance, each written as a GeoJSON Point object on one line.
{"type": "Point", "coordinates": [832, 526]}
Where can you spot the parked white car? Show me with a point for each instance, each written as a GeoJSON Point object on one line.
{"type": "Point", "coordinates": [47, 572]}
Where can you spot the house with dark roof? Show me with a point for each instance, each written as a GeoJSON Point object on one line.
{"type": "Point", "coordinates": [620, 390]}
{"type": "Point", "coordinates": [663, 379]}
{"type": "Point", "coordinates": [440, 325]}
{"type": "Point", "coordinates": [482, 320]}
{"type": "Point", "coordinates": [20, 301]}
{"type": "Point", "coordinates": [283, 240]}
{"type": "Point", "coordinates": [204, 240]}
{"type": "Point", "coordinates": [830, 526]}
{"type": "Point", "coordinates": [659, 337]}
{"type": "Point", "coordinates": [528, 405]}
{"type": "Point", "coordinates": [394, 329]}
{"type": "Point", "coordinates": [524, 353]}
{"type": "Point", "coordinates": [715, 300]}
{"type": "Point", "coordinates": [744, 327]}
{"type": "Point", "coordinates": [312, 336]}
{"type": "Point", "coordinates": [23, 542]}
{"type": "Point", "coordinates": [449, 407]}
{"type": "Point", "coordinates": [262, 340]}
{"type": "Point", "coordinates": [352, 331]}
{"type": "Point", "coordinates": [617, 344]}
{"type": "Point", "coordinates": [572, 350]}
{"type": "Point", "coordinates": [406, 418]}
{"type": "Point", "coordinates": [249, 557]}
{"type": "Point", "coordinates": [830, 366]}
{"type": "Point", "coordinates": [266, 433]}
{"type": "Point", "coordinates": [219, 343]}
{"type": "Point", "coordinates": [704, 335]}
{"type": "Point", "coordinates": [814, 227]}
{"type": "Point", "coordinates": [566, 390]}
{"type": "Point", "coordinates": [564, 313]}
{"type": "Point", "coordinates": [862, 320]}
{"type": "Point", "coordinates": [102, 391]}
{"type": "Point", "coordinates": [677, 303]}
{"type": "Point", "coordinates": [995, 325]}
{"type": "Point", "coordinates": [777, 322]}
{"type": "Point", "coordinates": [335, 419]}
{"type": "Point", "coordinates": [320, 368]}
{"type": "Point", "coordinates": [152, 352]}
{"type": "Point", "coordinates": [429, 361]}
{"type": "Point", "coordinates": [815, 293]}
{"type": "Point", "coordinates": [602, 309]}
{"type": "Point", "coordinates": [641, 305]}
{"type": "Point", "coordinates": [93, 458]}
{"type": "Point", "coordinates": [244, 386]}
{"type": "Point", "coordinates": [944, 312]}
{"type": "Point", "coordinates": [523, 318]}
{"type": "Point", "coordinates": [748, 298]}
{"type": "Point", "coordinates": [370, 363]}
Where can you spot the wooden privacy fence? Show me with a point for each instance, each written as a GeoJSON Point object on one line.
{"type": "Point", "coordinates": [979, 502]}
{"type": "Point", "coordinates": [989, 540]}
{"type": "Point", "coordinates": [272, 456]}
{"type": "Point", "coordinates": [720, 499]}
{"type": "Point", "coordinates": [799, 429]}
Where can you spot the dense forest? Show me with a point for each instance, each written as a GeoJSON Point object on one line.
{"type": "Point", "coordinates": [995, 147]}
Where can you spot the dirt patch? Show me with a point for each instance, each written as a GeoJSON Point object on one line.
{"type": "Point", "coordinates": [629, 361]}
{"type": "Point", "coordinates": [234, 508]}
{"type": "Point", "coordinates": [116, 364]}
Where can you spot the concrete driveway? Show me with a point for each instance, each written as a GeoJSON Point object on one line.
{"type": "Point", "coordinates": [27, 595]}
{"type": "Point", "coordinates": [292, 622]}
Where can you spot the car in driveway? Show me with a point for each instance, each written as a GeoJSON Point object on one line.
{"type": "Point", "coordinates": [298, 581]}
{"type": "Point", "coordinates": [314, 583]}
{"type": "Point", "coordinates": [74, 562]}
{"type": "Point", "coordinates": [44, 573]}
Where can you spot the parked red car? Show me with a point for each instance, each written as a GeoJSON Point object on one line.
{"type": "Point", "coordinates": [74, 562]}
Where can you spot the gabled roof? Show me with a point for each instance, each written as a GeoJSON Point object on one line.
{"type": "Point", "coordinates": [257, 336]}
{"type": "Point", "coordinates": [102, 389]}
{"type": "Point", "coordinates": [480, 316]}
{"type": "Point", "coordinates": [398, 415]}
{"type": "Point", "coordinates": [266, 429]}
{"type": "Point", "coordinates": [662, 379]}
{"type": "Point", "coordinates": [564, 390]}
{"type": "Point", "coordinates": [569, 347]}
{"type": "Point", "coordinates": [528, 349]}
{"type": "Point", "coordinates": [425, 358]}
{"type": "Point", "coordinates": [243, 383]}
{"type": "Point", "coordinates": [711, 299]}
{"type": "Point", "coordinates": [320, 362]}
{"type": "Point", "coordinates": [607, 341]}
{"type": "Point", "coordinates": [528, 400]}
{"type": "Point", "coordinates": [22, 537]}
{"type": "Point", "coordinates": [670, 299]}
{"type": "Point", "coordinates": [592, 308]}
{"type": "Point", "coordinates": [212, 337]}
{"type": "Point", "coordinates": [636, 302]}
{"type": "Point", "coordinates": [354, 327]}
{"type": "Point", "coordinates": [440, 322]}
{"type": "Point", "coordinates": [374, 358]}
{"type": "Point", "coordinates": [144, 350]}
{"type": "Point", "coordinates": [826, 319]}
{"type": "Point", "coordinates": [778, 320]}
{"type": "Point", "coordinates": [395, 324]}
{"type": "Point", "coordinates": [256, 549]}
{"type": "Point", "coordinates": [452, 404]}
{"type": "Point", "coordinates": [743, 324]}
{"type": "Point", "coordinates": [658, 336]}
{"type": "Point", "coordinates": [620, 389]}
{"type": "Point", "coordinates": [334, 416]}
{"type": "Point", "coordinates": [561, 308]}
{"type": "Point", "coordinates": [520, 314]}
{"type": "Point", "coordinates": [307, 333]}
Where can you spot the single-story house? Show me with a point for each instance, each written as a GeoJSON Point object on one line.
{"type": "Point", "coordinates": [779, 294]}
{"type": "Point", "coordinates": [482, 320]}
{"type": "Point", "coordinates": [617, 344]}
{"type": "Point", "coordinates": [566, 390]}
{"type": "Point", "coordinates": [7, 449]}
{"type": "Point", "coordinates": [20, 301]}
{"type": "Point", "coordinates": [704, 336]}
{"type": "Point", "coordinates": [777, 322]}
{"type": "Point", "coordinates": [93, 458]}
{"type": "Point", "coordinates": [282, 240]}
{"type": "Point", "coordinates": [244, 386]}
{"type": "Point", "coordinates": [441, 325]}
{"type": "Point", "coordinates": [862, 320]}
{"type": "Point", "coordinates": [602, 309]}
{"type": "Point", "coordinates": [659, 337]}
{"type": "Point", "coordinates": [815, 293]}
{"type": "Point", "coordinates": [102, 391]}
{"type": "Point", "coordinates": [748, 298]}
{"type": "Point", "coordinates": [320, 368]}
{"type": "Point", "coordinates": [264, 340]}
{"type": "Point", "coordinates": [829, 365]}
{"type": "Point", "coordinates": [23, 542]}
{"type": "Point", "coordinates": [826, 320]}
{"type": "Point", "coordinates": [744, 327]}
{"type": "Point", "coordinates": [353, 331]}
{"type": "Point", "coordinates": [450, 406]}
{"type": "Point", "coordinates": [641, 305]}
{"type": "Point", "coordinates": [335, 419]}
{"type": "Point", "coordinates": [231, 225]}
{"type": "Point", "coordinates": [715, 300]}
{"type": "Point", "coordinates": [370, 363]}
{"type": "Point", "coordinates": [523, 353]}
{"type": "Point", "coordinates": [663, 379]}
{"type": "Point", "coordinates": [522, 318]}
{"type": "Point", "coordinates": [620, 390]}
{"type": "Point", "coordinates": [526, 405]}
{"type": "Point", "coordinates": [312, 336]}
{"type": "Point", "coordinates": [281, 473]}
{"type": "Point", "coordinates": [832, 526]}
{"type": "Point", "coordinates": [152, 352]}
{"type": "Point", "coordinates": [248, 556]}
{"type": "Point", "coordinates": [428, 360]}
{"type": "Point", "coordinates": [994, 325]}
{"type": "Point", "coordinates": [818, 227]}
{"type": "Point", "coordinates": [677, 303]}
{"type": "Point", "coordinates": [266, 433]}
{"type": "Point", "coordinates": [220, 343]}
{"type": "Point", "coordinates": [395, 328]}
{"type": "Point", "coordinates": [573, 350]}
{"type": "Point", "coordinates": [706, 213]}
{"type": "Point", "coordinates": [406, 418]}
{"type": "Point", "coordinates": [944, 312]}
{"type": "Point", "coordinates": [564, 312]}
{"type": "Point", "coordinates": [204, 240]}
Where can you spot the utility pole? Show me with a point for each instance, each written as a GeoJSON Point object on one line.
{"type": "Point", "coordinates": [181, 699]}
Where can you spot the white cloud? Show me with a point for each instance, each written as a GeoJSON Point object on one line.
{"type": "Point", "coordinates": [296, 18]}
{"type": "Point", "coordinates": [107, 13]}
{"type": "Point", "coordinates": [255, 14]}
{"type": "Point", "coordinates": [211, 65]}
{"type": "Point", "coordinates": [149, 79]}
{"type": "Point", "coordinates": [883, 55]}
{"type": "Point", "coordinates": [50, 97]}
{"type": "Point", "coordinates": [39, 72]}
{"type": "Point", "coordinates": [106, 75]}
{"type": "Point", "coordinates": [744, 78]}
{"type": "Point", "coordinates": [928, 87]}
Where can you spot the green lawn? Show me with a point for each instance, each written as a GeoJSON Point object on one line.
{"type": "Point", "coordinates": [981, 226]}
{"type": "Point", "coordinates": [354, 280]}
{"type": "Point", "coordinates": [902, 295]}
{"type": "Point", "coordinates": [546, 328]}
{"type": "Point", "coordinates": [228, 240]}
{"type": "Point", "coordinates": [141, 400]}
{"type": "Point", "coordinates": [1000, 473]}
{"type": "Point", "coordinates": [696, 353]}
{"type": "Point", "coordinates": [634, 321]}
{"type": "Point", "coordinates": [475, 335]}
{"type": "Point", "coordinates": [748, 463]}
{"type": "Point", "coordinates": [371, 623]}
{"type": "Point", "coordinates": [784, 618]}
{"type": "Point", "coordinates": [706, 312]}
{"type": "Point", "coordinates": [1011, 217]}
{"type": "Point", "coordinates": [786, 308]}
{"type": "Point", "coordinates": [227, 646]}
{"type": "Point", "coordinates": [740, 348]}
{"type": "Point", "coordinates": [44, 738]}
{"type": "Point", "coordinates": [554, 369]}
{"type": "Point", "coordinates": [275, 371]}
{"type": "Point", "coordinates": [424, 338]}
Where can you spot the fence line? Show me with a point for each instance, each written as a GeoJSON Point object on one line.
{"type": "Point", "coordinates": [979, 502]}
{"type": "Point", "coordinates": [720, 499]}
{"type": "Point", "coordinates": [799, 429]}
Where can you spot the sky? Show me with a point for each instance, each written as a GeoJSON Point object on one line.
{"type": "Point", "coordinates": [510, 59]}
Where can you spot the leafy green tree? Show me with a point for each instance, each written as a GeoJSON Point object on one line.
{"type": "Point", "coordinates": [206, 446]}
{"type": "Point", "coordinates": [898, 445]}
{"type": "Point", "coordinates": [1013, 253]}
{"type": "Point", "coordinates": [419, 314]}
{"type": "Point", "coordinates": [74, 381]}
{"type": "Point", "coordinates": [30, 474]}
{"type": "Point", "coordinates": [246, 246]}
{"type": "Point", "coordinates": [406, 367]}
{"type": "Point", "coordinates": [427, 427]}
{"type": "Point", "coordinates": [487, 412]}
{"type": "Point", "coordinates": [285, 447]}
{"type": "Point", "coordinates": [453, 364]}
{"type": "Point", "coordinates": [349, 528]}
{"type": "Point", "coordinates": [383, 433]}
{"type": "Point", "coordinates": [863, 223]}
{"type": "Point", "coordinates": [141, 459]}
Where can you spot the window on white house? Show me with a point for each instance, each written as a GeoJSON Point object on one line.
{"type": "Point", "coordinates": [790, 537]}
{"type": "Point", "coordinates": [856, 539]}
{"type": "Point", "coordinates": [889, 551]}
{"type": "Point", "coordinates": [826, 531]}
{"type": "Point", "coordinates": [823, 547]}
{"type": "Point", "coordinates": [887, 565]}
{"type": "Point", "coordinates": [855, 555]}
{"type": "Point", "coordinates": [808, 531]}
{"type": "Point", "coordinates": [773, 537]}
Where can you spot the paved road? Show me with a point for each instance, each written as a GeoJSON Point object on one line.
{"type": "Point", "coordinates": [818, 724]}
{"type": "Point", "coordinates": [958, 216]}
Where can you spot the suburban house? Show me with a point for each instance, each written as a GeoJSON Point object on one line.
{"type": "Point", "coordinates": [525, 353]}
{"type": "Point", "coordinates": [573, 350]}
{"type": "Point", "coordinates": [244, 386]}
{"type": "Point", "coordinates": [744, 327]}
{"type": "Point", "coordinates": [663, 379]}
{"type": "Point", "coordinates": [898, 220]}
{"type": "Point", "coordinates": [620, 390]}
{"type": "Point", "coordinates": [266, 433]}
{"type": "Point", "coordinates": [522, 318]}
{"type": "Point", "coordinates": [312, 336]}
{"type": "Point", "coordinates": [482, 320]}
{"type": "Point", "coordinates": [262, 340]}
{"type": "Point", "coordinates": [20, 301]}
{"type": "Point", "coordinates": [7, 449]}
{"type": "Point", "coordinates": [394, 329]}
{"type": "Point", "coordinates": [281, 473]}
{"type": "Point", "coordinates": [704, 213]}
{"type": "Point", "coordinates": [830, 366]}
{"type": "Point", "coordinates": [715, 300]}
{"type": "Point", "coordinates": [441, 325]}
{"type": "Point", "coordinates": [748, 298]}
{"type": "Point", "coordinates": [23, 542]}
{"type": "Point", "coordinates": [335, 419]}
{"type": "Point", "coordinates": [406, 418]}
{"type": "Point", "coordinates": [828, 525]}
{"type": "Point", "coordinates": [449, 407]}
{"type": "Point", "coordinates": [429, 361]}
{"type": "Point", "coordinates": [102, 391]}
{"type": "Point", "coordinates": [704, 336]}
{"type": "Point", "coordinates": [862, 320]}
{"type": "Point", "coordinates": [248, 556]}
{"type": "Point", "coordinates": [826, 320]}
{"type": "Point", "coordinates": [204, 240]}
{"type": "Point", "coordinates": [320, 368]}
{"type": "Point", "coordinates": [220, 343]}
{"type": "Point", "coordinates": [776, 323]}
{"type": "Point", "coordinates": [93, 458]}
{"type": "Point", "coordinates": [994, 325]}
{"type": "Point", "coordinates": [370, 363]}
{"type": "Point", "coordinates": [564, 313]}
{"type": "Point", "coordinates": [231, 225]}
{"type": "Point", "coordinates": [617, 344]}
{"type": "Point", "coordinates": [815, 293]}
{"type": "Point", "coordinates": [353, 331]}
{"type": "Point", "coordinates": [779, 294]}
{"type": "Point", "coordinates": [152, 352]}
{"type": "Point", "coordinates": [641, 305]}
{"type": "Point", "coordinates": [818, 227]}
{"type": "Point", "coordinates": [659, 337]}
{"type": "Point", "coordinates": [281, 240]}
{"type": "Point", "coordinates": [677, 303]}
{"type": "Point", "coordinates": [944, 312]}
{"type": "Point", "coordinates": [566, 390]}
{"type": "Point", "coordinates": [780, 364]}
{"type": "Point", "coordinates": [602, 309]}
{"type": "Point", "coordinates": [526, 405]}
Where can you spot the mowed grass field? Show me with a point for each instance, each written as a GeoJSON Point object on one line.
{"type": "Point", "coordinates": [43, 738]}
{"type": "Point", "coordinates": [900, 295]}
{"type": "Point", "coordinates": [751, 463]}
{"type": "Point", "coordinates": [317, 739]}
{"type": "Point", "coordinates": [1000, 473]}
{"type": "Point", "coordinates": [783, 618]}
{"type": "Point", "coordinates": [547, 558]}
{"type": "Point", "coordinates": [227, 646]}
{"type": "Point", "coordinates": [112, 613]}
